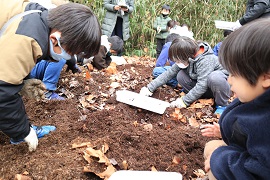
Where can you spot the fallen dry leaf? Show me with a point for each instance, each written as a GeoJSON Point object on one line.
{"type": "Point", "coordinates": [89, 66]}
{"type": "Point", "coordinates": [74, 83]}
{"type": "Point", "coordinates": [90, 97]}
{"type": "Point", "coordinates": [178, 116]}
{"type": "Point", "coordinates": [148, 127]}
{"type": "Point", "coordinates": [87, 157]}
{"type": "Point", "coordinates": [193, 122]}
{"type": "Point", "coordinates": [111, 69]}
{"type": "Point", "coordinates": [85, 144]}
{"type": "Point", "coordinates": [22, 177]}
{"type": "Point", "coordinates": [199, 114]}
{"type": "Point", "coordinates": [98, 154]}
{"type": "Point", "coordinates": [184, 167]}
{"type": "Point", "coordinates": [176, 160]}
{"type": "Point", "coordinates": [135, 123]}
{"type": "Point", "coordinates": [87, 76]}
{"type": "Point", "coordinates": [153, 169]}
{"type": "Point", "coordinates": [107, 173]}
{"type": "Point", "coordinates": [125, 165]}
{"type": "Point", "coordinates": [105, 148]}
{"type": "Point", "coordinates": [199, 173]}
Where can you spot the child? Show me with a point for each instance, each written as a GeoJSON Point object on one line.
{"type": "Point", "coordinates": [245, 124]}
{"type": "Point", "coordinates": [163, 62]}
{"type": "Point", "coordinates": [181, 30]}
{"type": "Point", "coordinates": [198, 71]}
{"type": "Point", "coordinates": [61, 32]}
{"type": "Point", "coordinates": [160, 25]}
{"type": "Point", "coordinates": [216, 48]}
{"type": "Point", "coordinates": [49, 72]}
{"type": "Point", "coordinates": [109, 46]}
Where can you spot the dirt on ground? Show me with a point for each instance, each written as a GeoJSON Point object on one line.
{"type": "Point", "coordinates": [129, 137]}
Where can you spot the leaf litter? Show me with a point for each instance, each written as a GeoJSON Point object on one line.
{"type": "Point", "coordinates": [91, 120]}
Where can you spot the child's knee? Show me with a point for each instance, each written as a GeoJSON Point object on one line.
{"type": "Point", "coordinates": [211, 146]}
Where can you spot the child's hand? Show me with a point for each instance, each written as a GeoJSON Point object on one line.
{"type": "Point", "coordinates": [116, 7]}
{"type": "Point", "coordinates": [125, 9]}
{"type": "Point", "coordinates": [210, 130]}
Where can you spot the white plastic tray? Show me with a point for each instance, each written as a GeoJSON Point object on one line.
{"type": "Point", "coordinates": [140, 101]}
{"type": "Point", "coordinates": [145, 175]}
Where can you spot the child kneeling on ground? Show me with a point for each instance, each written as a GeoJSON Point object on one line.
{"type": "Point", "coordinates": [243, 152]}
{"type": "Point", "coordinates": [198, 72]}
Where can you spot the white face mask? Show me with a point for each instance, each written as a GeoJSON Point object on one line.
{"type": "Point", "coordinates": [58, 57]}
{"type": "Point", "coordinates": [181, 65]}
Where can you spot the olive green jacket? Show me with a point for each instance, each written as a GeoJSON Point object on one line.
{"type": "Point", "coordinates": [162, 23]}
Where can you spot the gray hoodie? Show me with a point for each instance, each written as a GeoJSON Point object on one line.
{"type": "Point", "coordinates": [198, 69]}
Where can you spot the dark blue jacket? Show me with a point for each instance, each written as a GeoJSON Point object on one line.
{"type": "Point", "coordinates": [164, 56]}
{"type": "Point", "coordinates": [245, 128]}
{"type": "Point", "coordinates": [216, 48]}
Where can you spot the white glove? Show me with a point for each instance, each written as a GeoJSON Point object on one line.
{"type": "Point", "coordinates": [145, 92]}
{"type": "Point", "coordinates": [178, 103]}
{"type": "Point", "coordinates": [237, 25]}
{"type": "Point", "coordinates": [32, 140]}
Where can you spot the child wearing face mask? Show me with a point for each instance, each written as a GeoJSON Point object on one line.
{"type": "Point", "coordinates": [52, 36]}
{"type": "Point", "coordinates": [160, 25]}
{"type": "Point", "coordinates": [199, 73]}
{"type": "Point", "coordinates": [112, 45]}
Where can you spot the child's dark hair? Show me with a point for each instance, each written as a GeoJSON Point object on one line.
{"type": "Point", "coordinates": [227, 32]}
{"type": "Point", "coordinates": [246, 51]}
{"type": "Point", "coordinates": [116, 44]}
{"type": "Point", "coordinates": [172, 23]}
{"type": "Point", "coordinates": [182, 49]}
{"type": "Point", "coordinates": [172, 37]}
{"type": "Point", "coordinates": [79, 27]}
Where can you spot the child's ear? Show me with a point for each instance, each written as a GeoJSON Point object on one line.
{"type": "Point", "coordinates": [266, 80]}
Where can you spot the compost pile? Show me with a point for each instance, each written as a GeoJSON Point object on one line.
{"type": "Point", "coordinates": [96, 135]}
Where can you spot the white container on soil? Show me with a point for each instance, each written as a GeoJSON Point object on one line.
{"type": "Point", "coordinates": [140, 101]}
{"type": "Point", "coordinates": [145, 175]}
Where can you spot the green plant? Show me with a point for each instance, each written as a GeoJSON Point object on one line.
{"type": "Point", "coordinates": [198, 14]}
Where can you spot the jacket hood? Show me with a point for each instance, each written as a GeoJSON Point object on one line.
{"type": "Point", "coordinates": [207, 51]}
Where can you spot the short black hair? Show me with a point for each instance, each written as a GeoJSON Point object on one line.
{"type": "Point", "coordinates": [171, 37]}
{"type": "Point", "coordinates": [227, 32]}
{"type": "Point", "coordinates": [172, 23]}
{"type": "Point", "coordinates": [79, 27]}
{"type": "Point", "coordinates": [246, 51]}
{"type": "Point", "coordinates": [117, 44]}
{"type": "Point", "coordinates": [182, 49]}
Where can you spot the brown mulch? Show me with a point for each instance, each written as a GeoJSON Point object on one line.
{"type": "Point", "coordinates": [105, 120]}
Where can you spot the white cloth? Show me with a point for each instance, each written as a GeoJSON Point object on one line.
{"type": "Point", "coordinates": [182, 31]}
{"type": "Point", "coordinates": [105, 42]}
